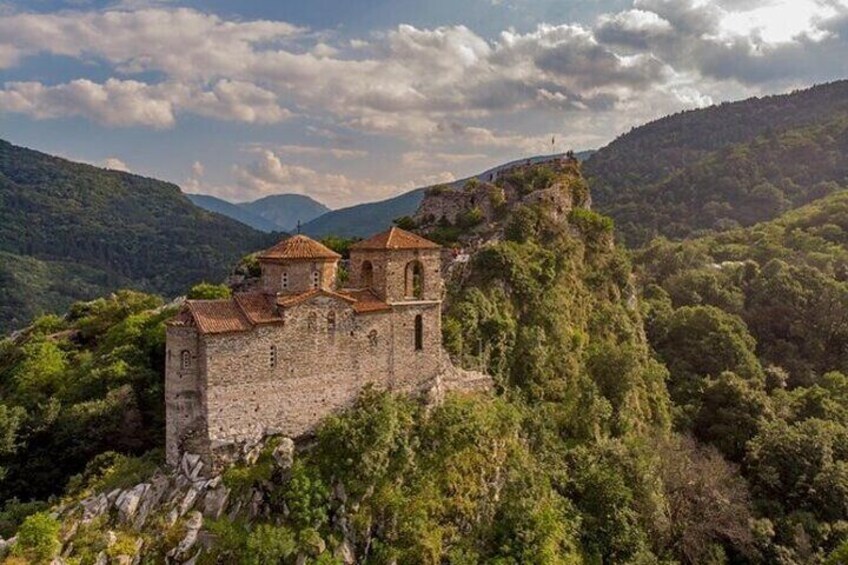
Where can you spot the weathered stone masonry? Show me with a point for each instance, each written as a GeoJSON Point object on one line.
{"type": "Point", "coordinates": [279, 360]}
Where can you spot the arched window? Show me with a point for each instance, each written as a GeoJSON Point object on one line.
{"type": "Point", "coordinates": [367, 274]}
{"type": "Point", "coordinates": [272, 357]}
{"type": "Point", "coordinates": [372, 338]}
{"type": "Point", "coordinates": [414, 280]}
{"type": "Point", "coordinates": [185, 359]}
{"type": "Point", "coordinates": [316, 279]}
{"type": "Point", "coordinates": [312, 321]}
{"type": "Point", "coordinates": [284, 280]}
{"type": "Point", "coordinates": [331, 321]}
{"type": "Point", "coordinates": [419, 333]}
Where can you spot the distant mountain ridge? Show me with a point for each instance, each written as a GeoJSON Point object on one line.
{"type": "Point", "coordinates": [286, 210]}
{"type": "Point", "coordinates": [234, 211]}
{"type": "Point", "coordinates": [71, 231]}
{"type": "Point", "coordinates": [278, 212]}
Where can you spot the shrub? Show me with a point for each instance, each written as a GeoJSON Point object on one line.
{"type": "Point", "coordinates": [438, 190]}
{"type": "Point", "coordinates": [523, 225]}
{"type": "Point", "coordinates": [269, 544]}
{"type": "Point", "coordinates": [592, 225]}
{"type": "Point", "coordinates": [405, 223]}
{"type": "Point", "coordinates": [38, 538]}
{"type": "Point", "coordinates": [470, 218]}
{"type": "Point", "coordinates": [209, 291]}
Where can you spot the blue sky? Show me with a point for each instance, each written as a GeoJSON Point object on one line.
{"type": "Point", "coordinates": [358, 101]}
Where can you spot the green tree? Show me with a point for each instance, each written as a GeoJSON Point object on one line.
{"type": "Point", "coordinates": [701, 342]}
{"type": "Point", "coordinates": [209, 291]}
{"type": "Point", "coordinates": [730, 413]}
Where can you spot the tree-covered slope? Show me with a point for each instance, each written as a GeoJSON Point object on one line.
{"type": "Point", "coordinates": [582, 455]}
{"type": "Point", "coordinates": [363, 220]}
{"type": "Point", "coordinates": [726, 166]}
{"type": "Point", "coordinates": [753, 327]}
{"type": "Point", "coordinates": [99, 230]}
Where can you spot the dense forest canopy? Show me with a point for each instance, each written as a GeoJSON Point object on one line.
{"type": "Point", "coordinates": [70, 231]}
{"type": "Point", "coordinates": [726, 166]}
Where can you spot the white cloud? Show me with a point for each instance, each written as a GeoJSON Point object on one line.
{"type": "Point", "coordinates": [133, 103]}
{"type": "Point", "coordinates": [114, 103]}
{"type": "Point", "coordinates": [444, 96]}
{"type": "Point", "coordinates": [115, 164]}
{"type": "Point", "coordinates": [197, 169]}
{"type": "Point", "coordinates": [270, 174]}
{"type": "Point", "coordinates": [311, 150]}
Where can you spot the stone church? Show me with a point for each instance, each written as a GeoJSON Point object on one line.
{"type": "Point", "coordinates": [277, 360]}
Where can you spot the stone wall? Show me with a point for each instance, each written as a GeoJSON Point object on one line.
{"type": "Point", "coordinates": [318, 370]}
{"type": "Point", "coordinates": [184, 389]}
{"type": "Point", "coordinates": [299, 275]}
{"type": "Point", "coordinates": [413, 368]}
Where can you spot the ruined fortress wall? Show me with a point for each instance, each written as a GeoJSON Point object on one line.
{"type": "Point", "coordinates": [318, 370]}
{"type": "Point", "coordinates": [183, 390]}
{"type": "Point", "coordinates": [299, 275]}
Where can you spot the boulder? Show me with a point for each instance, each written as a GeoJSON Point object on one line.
{"type": "Point", "coordinates": [94, 507]}
{"type": "Point", "coordinates": [344, 553]}
{"type": "Point", "coordinates": [193, 524]}
{"type": "Point", "coordinates": [215, 502]}
{"type": "Point", "coordinates": [284, 454]}
{"type": "Point", "coordinates": [191, 466]}
{"type": "Point", "coordinates": [188, 501]}
{"type": "Point", "coordinates": [252, 453]}
{"type": "Point", "coordinates": [129, 500]}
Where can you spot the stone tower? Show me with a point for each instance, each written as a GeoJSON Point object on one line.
{"type": "Point", "coordinates": [398, 266]}
{"type": "Point", "coordinates": [298, 264]}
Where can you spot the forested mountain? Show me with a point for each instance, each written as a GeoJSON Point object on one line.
{"type": "Point", "coordinates": [696, 412]}
{"type": "Point", "coordinates": [364, 219]}
{"type": "Point", "coordinates": [234, 211]}
{"type": "Point", "coordinates": [726, 166]}
{"type": "Point", "coordinates": [286, 210]}
{"type": "Point", "coordinates": [70, 231]}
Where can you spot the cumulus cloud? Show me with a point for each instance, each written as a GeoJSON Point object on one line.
{"type": "Point", "coordinates": [403, 82]}
{"type": "Point", "coordinates": [115, 164]}
{"type": "Point", "coordinates": [270, 173]}
{"type": "Point", "coordinates": [132, 103]}
{"type": "Point", "coordinates": [446, 91]}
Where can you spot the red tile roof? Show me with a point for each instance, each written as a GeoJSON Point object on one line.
{"type": "Point", "coordinates": [218, 316]}
{"type": "Point", "coordinates": [244, 311]}
{"type": "Point", "coordinates": [395, 238]}
{"type": "Point", "coordinates": [299, 247]}
{"type": "Point", "coordinates": [258, 307]}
